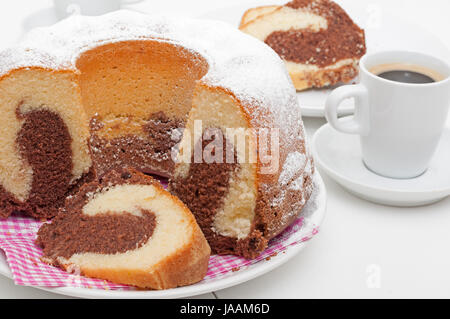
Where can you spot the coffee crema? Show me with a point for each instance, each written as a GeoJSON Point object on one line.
{"type": "Point", "coordinates": [406, 73]}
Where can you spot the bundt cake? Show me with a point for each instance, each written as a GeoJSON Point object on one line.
{"type": "Point", "coordinates": [152, 93]}
{"type": "Point", "coordinates": [318, 41]}
{"type": "Point", "coordinates": [127, 229]}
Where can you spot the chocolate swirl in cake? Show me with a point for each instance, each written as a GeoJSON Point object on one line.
{"type": "Point", "coordinates": [108, 233]}
{"type": "Point", "coordinates": [342, 39]}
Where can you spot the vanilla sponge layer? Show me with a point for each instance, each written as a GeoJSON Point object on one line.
{"type": "Point", "coordinates": [301, 67]}
{"type": "Point", "coordinates": [284, 19]}
{"type": "Point", "coordinates": [38, 89]}
{"type": "Point", "coordinates": [236, 216]}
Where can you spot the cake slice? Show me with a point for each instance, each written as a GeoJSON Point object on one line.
{"type": "Point", "coordinates": [318, 41]}
{"type": "Point", "coordinates": [129, 230]}
{"type": "Point", "coordinates": [241, 202]}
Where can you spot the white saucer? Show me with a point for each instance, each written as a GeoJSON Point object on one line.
{"type": "Point", "coordinates": [339, 155]}
{"type": "Point", "coordinates": [384, 31]}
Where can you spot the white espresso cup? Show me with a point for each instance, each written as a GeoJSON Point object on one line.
{"type": "Point", "coordinates": [64, 8]}
{"type": "Point", "coordinates": [400, 124]}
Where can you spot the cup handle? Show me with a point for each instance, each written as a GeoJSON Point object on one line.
{"type": "Point", "coordinates": [359, 123]}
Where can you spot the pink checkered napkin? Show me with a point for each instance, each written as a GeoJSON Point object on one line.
{"type": "Point", "coordinates": [18, 233]}
{"type": "Point", "coordinates": [224, 266]}
{"type": "Point", "coordinates": [17, 236]}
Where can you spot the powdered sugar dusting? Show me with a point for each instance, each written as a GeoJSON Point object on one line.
{"type": "Point", "coordinates": [238, 62]}
{"type": "Point", "coordinates": [295, 162]}
{"type": "Point", "coordinates": [301, 206]}
{"type": "Point", "coordinates": [22, 57]}
{"type": "Point", "coordinates": [297, 184]}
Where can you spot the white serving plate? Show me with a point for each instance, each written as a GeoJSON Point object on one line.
{"type": "Point", "coordinates": [233, 279]}
{"type": "Point", "coordinates": [383, 32]}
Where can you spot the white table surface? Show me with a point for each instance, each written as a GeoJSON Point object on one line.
{"type": "Point", "coordinates": [363, 250]}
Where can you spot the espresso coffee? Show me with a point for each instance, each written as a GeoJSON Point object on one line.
{"type": "Point", "coordinates": [406, 73]}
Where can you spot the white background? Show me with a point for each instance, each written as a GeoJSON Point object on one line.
{"type": "Point", "coordinates": [363, 250]}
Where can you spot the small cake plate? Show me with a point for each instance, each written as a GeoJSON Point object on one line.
{"type": "Point", "coordinates": [339, 156]}
{"type": "Point", "coordinates": [383, 30]}
{"type": "Point", "coordinates": [314, 211]}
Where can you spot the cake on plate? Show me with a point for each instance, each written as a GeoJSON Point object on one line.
{"type": "Point", "coordinates": [94, 94]}
{"type": "Point", "coordinates": [318, 41]}
{"type": "Point", "coordinates": [127, 229]}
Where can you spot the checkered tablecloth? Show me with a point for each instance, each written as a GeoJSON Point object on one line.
{"type": "Point", "coordinates": [18, 233]}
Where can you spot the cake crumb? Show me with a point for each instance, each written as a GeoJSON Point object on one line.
{"type": "Point", "coordinates": [271, 256]}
